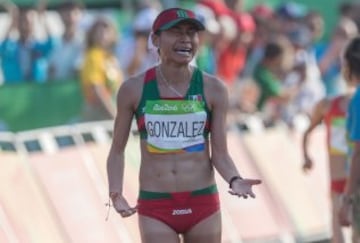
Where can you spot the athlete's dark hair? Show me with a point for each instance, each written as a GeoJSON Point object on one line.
{"type": "Point", "coordinates": [352, 56]}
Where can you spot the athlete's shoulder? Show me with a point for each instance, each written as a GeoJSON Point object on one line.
{"type": "Point", "coordinates": [215, 90]}
{"type": "Point", "coordinates": [211, 79]}
{"type": "Point", "coordinates": [133, 85]}
{"type": "Point", "coordinates": [131, 82]}
{"type": "Point", "coordinates": [207, 76]}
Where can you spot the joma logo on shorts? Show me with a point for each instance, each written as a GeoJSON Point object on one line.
{"type": "Point", "coordinates": [182, 211]}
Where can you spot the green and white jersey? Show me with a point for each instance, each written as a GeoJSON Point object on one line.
{"type": "Point", "coordinates": [173, 125]}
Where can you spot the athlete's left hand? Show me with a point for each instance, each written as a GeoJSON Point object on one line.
{"type": "Point", "coordinates": [243, 187]}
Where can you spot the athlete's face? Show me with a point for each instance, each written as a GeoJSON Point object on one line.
{"type": "Point", "coordinates": [179, 43]}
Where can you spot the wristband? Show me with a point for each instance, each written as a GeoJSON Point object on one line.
{"type": "Point", "coordinates": [234, 178]}
{"type": "Point", "coordinates": [113, 195]}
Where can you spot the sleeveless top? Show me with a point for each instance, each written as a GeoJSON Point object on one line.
{"type": "Point", "coordinates": [335, 121]}
{"type": "Point", "coordinates": [173, 125]}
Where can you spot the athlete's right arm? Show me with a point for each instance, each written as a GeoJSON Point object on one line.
{"type": "Point", "coordinates": [126, 102]}
{"type": "Point", "coordinates": [316, 118]}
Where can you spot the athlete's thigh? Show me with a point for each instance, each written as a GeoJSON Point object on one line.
{"type": "Point", "coordinates": [155, 231]}
{"type": "Point", "coordinates": [208, 230]}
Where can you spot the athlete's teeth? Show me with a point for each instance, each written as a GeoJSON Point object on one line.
{"type": "Point", "coordinates": [183, 52]}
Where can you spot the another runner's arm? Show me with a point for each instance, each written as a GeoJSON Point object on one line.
{"type": "Point", "coordinates": [217, 97]}
{"type": "Point", "coordinates": [116, 158]}
{"type": "Point", "coordinates": [316, 118]}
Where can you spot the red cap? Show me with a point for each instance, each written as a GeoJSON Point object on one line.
{"type": "Point", "coordinates": [172, 16]}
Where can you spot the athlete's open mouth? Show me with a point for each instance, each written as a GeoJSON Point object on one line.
{"type": "Point", "coordinates": [184, 51]}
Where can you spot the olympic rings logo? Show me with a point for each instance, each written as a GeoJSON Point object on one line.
{"type": "Point", "coordinates": [189, 107]}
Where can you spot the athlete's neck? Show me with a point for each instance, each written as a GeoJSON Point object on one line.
{"type": "Point", "coordinates": [176, 74]}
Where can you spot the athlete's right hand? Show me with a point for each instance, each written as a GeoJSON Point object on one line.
{"type": "Point", "coordinates": [122, 207]}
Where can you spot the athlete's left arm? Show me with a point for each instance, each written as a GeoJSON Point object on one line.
{"type": "Point", "coordinates": [217, 97]}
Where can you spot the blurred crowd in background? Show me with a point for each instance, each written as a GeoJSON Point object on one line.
{"type": "Point", "coordinates": [274, 60]}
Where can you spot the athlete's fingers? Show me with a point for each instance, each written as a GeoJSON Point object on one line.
{"type": "Point", "coordinates": [122, 209]}
{"type": "Point", "coordinates": [232, 193]}
{"type": "Point", "coordinates": [251, 194]}
{"type": "Point", "coordinates": [127, 212]}
{"type": "Point", "coordinates": [254, 181]}
{"type": "Point", "coordinates": [244, 195]}
{"type": "Point", "coordinates": [235, 193]}
{"type": "Point", "coordinates": [124, 214]}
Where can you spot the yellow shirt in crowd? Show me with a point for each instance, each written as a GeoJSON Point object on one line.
{"type": "Point", "coordinates": [100, 68]}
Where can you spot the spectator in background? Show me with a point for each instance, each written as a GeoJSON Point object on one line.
{"type": "Point", "coordinates": [228, 32]}
{"type": "Point", "coordinates": [263, 17]}
{"type": "Point", "coordinates": [288, 16]}
{"type": "Point", "coordinates": [65, 59]}
{"type": "Point", "coordinates": [226, 22]}
{"type": "Point", "coordinates": [315, 22]}
{"type": "Point", "coordinates": [24, 58]}
{"type": "Point", "coordinates": [100, 72]}
{"type": "Point", "coordinates": [329, 56]}
{"type": "Point", "coordinates": [272, 93]}
{"type": "Point", "coordinates": [231, 59]}
{"type": "Point", "coordinates": [347, 10]}
{"type": "Point", "coordinates": [143, 57]}
{"type": "Point", "coordinates": [206, 57]}
{"type": "Point", "coordinates": [304, 75]}
{"type": "Point", "coordinates": [219, 7]}
{"type": "Point", "coordinates": [351, 10]}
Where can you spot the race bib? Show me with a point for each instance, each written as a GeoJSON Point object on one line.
{"type": "Point", "coordinates": [175, 126]}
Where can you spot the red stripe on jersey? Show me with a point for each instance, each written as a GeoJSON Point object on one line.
{"type": "Point", "coordinates": [150, 75]}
